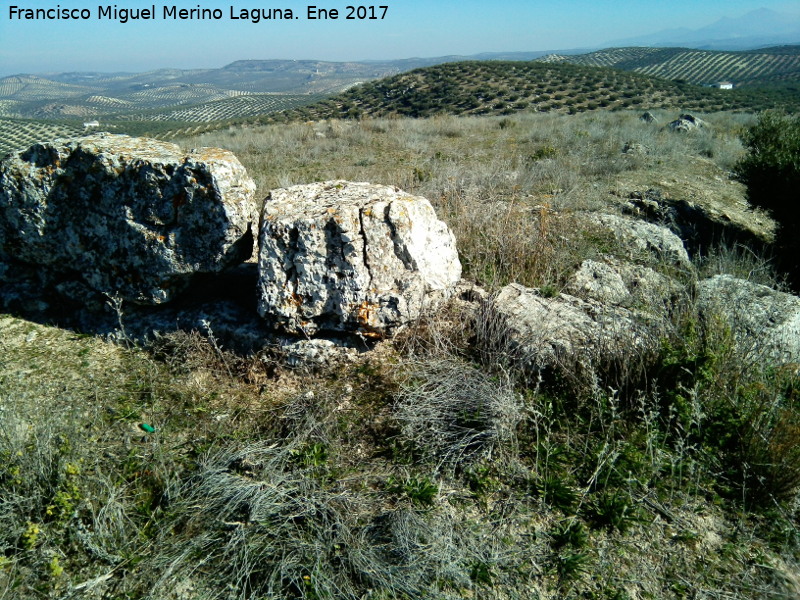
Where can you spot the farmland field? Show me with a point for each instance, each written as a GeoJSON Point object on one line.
{"type": "Point", "coordinates": [171, 102]}
{"type": "Point", "coordinates": [230, 108]}
{"type": "Point", "coordinates": [16, 134]}
{"type": "Point", "coordinates": [697, 66]}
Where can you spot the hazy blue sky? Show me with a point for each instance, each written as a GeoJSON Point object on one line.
{"type": "Point", "coordinates": [411, 28]}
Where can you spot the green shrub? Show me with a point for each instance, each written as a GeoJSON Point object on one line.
{"type": "Point", "coordinates": [764, 441]}
{"type": "Point", "coordinates": [742, 417]}
{"type": "Point", "coordinates": [556, 492]}
{"type": "Point", "coordinates": [420, 490]}
{"type": "Point", "coordinates": [771, 169]}
{"type": "Point", "coordinates": [612, 510]}
{"type": "Point", "coordinates": [771, 172]}
{"type": "Point", "coordinates": [570, 565]}
{"type": "Point", "coordinates": [505, 123]}
{"type": "Point", "coordinates": [544, 152]}
{"type": "Point", "coordinates": [569, 532]}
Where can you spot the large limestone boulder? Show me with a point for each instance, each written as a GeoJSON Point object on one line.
{"type": "Point", "coordinates": [579, 340]}
{"type": "Point", "coordinates": [765, 323]}
{"type": "Point", "coordinates": [353, 257]}
{"type": "Point", "coordinates": [686, 122]}
{"type": "Point", "coordinates": [645, 241]}
{"type": "Point", "coordinates": [131, 218]}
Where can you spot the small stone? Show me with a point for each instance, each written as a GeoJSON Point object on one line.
{"type": "Point", "coordinates": [686, 122]}
{"type": "Point", "coordinates": [635, 148]}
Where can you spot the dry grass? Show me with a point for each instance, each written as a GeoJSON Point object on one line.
{"type": "Point", "coordinates": [428, 470]}
{"type": "Point", "coordinates": [455, 414]}
{"type": "Point", "coordinates": [508, 187]}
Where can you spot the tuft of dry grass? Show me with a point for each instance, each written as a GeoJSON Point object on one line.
{"type": "Point", "coordinates": [455, 414]}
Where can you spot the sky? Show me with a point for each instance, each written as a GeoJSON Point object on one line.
{"type": "Point", "coordinates": [410, 28]}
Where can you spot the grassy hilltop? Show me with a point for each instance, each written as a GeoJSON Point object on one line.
{"type": "Point", "coordinates": [429, 468]}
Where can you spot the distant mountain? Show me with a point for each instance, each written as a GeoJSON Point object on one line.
{"type": "Point", "coordinates": [762, 27]}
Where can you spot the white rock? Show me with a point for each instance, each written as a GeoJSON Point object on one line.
{"type": "Point", "coordinates": [642, 237]}
{"type": "Point", "coordinates": [621, 283]}
{"type": "Point", "coordinates": [132, 218]}
{"type": "Point", "coordinates": [765, 323]}
{"type": "Point", "coordinates": [579, 339]}
{"type": "Point", "coordinates": [353, 257]}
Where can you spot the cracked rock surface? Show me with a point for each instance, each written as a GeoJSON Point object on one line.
{"type": "Point", "coordinates": [765, 323]}
{"type": "Point", "coordinates": [579, 339]}
{"type": "Point", "coordinates": [132, 218]}
{"type": "Point", "coordinates": [352, 257]}
{"type": "Point", "coordinates": [616, 282]}
{"type": "Point", "coordinates": [641, 237]}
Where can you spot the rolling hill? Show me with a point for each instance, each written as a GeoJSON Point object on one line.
{"type": "Point", "coordinates": [167, 102]}
{"type": "Point", "coordinates": [90, 94]}
{"type": "Point", "coordinates": [100, 94]}
{"type": "Point", "coordinates": [748, 68]}
{"type": "Point", "coordinates": [18, 133]}
{"type": "Point", "coordinates": [496, 87]}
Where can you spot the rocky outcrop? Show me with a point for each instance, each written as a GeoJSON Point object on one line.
{"type": "Point", "coordinates": [635, 149]}
{"type": "Point", "coordinates": [623, 284]}
{"type": "Point", "coordinates": [577, 339]}
{"type": "Point", "coordinates": [352, 257]}
{"type": "Point", "coordinates": [686, 122]}
{"type": "Point", "coordinates": [600, 281]}
{"type": "Point", "coordinates": [316, 353]}
{"type": "Point", "coordinates": [641, 238]}
{"type": "Point", "coordinates": [701, 225]}
{"type": "Point", "coordinates": [126, 217]}
{"type": "Point", "coordinates": [648, 117]}
{"type": "Point", "coordinates": [765, 323]}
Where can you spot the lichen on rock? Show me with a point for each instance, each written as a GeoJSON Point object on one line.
{"type": "Point", "coordinates": [352, 257]}
{"type": "Point", "coordinates": [133, 218]}
{"type": "Point", "coordinates": [579, 340]}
